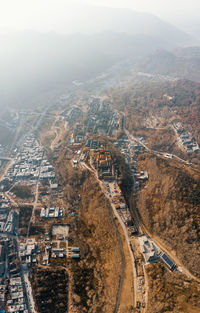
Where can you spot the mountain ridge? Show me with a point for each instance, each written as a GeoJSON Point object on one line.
{"type": "Point", "coordinates": [33, 63]}
{"type": "Point", "coordinates": [182, 63]}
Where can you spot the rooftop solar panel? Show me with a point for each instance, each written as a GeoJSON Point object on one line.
{"type": "Point", "coordinates": [167, 260]}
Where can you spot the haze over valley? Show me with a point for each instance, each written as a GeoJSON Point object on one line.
{"type": "Point", "coordinates": [33, 63]}
{"type": "Point", "coordinates": [99, 156]}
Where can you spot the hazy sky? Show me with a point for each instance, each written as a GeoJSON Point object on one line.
{"type": "Point", "coordinates": [47, 15]}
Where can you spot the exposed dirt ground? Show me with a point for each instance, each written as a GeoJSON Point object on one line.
{"type": "Point", "coordinates": [127, 295]}
{"type": "Point", "coordinates": [169, 206]}
{"type": "Point", "coordinates": [96, 276]}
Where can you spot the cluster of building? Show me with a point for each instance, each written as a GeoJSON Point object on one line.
{"type": "Point", "coordinates": [51, 212]}
{"type": "Point", "coordinates": [151, 253]}
{"type": "Point", "coordinates": [9, 262]}
{"type": "Point", "coordinates": [149, 249]}
{"type": "Point", "coordinates": [60, 253]}
{"type": "Point", "coordinates": [28, 252]}
{"type": "Point", "coordinates": [16, 303]}
{"type": "Point", "coordinates": [93, 144]}
{"type": "Point", "coordinates": [7, 217]}
{"type": "Point", "coordinates": [9, 226]}
{"type": "Point", "coordinates": [11, 279]}
{"type": "Point", "coordinates": [131, 150]}
{"type": "Point", "coordinates": [104, 165]}
{"type": "Point", "coordinates": [74, 115]}
{"type": "Point", "coordinates": [57, 245]}
{"type": "Point", "coordinates": [78, 136]}
{"type": "Point", "coordinates": [74, 252]}
{"type": "Point", "coordinates": [31, 163]}
{"type": "Point", "coordinates": [185, 138]}
{"type": "Point", "coordinates": [2, 257]}
{"type": "Point", "coordinates": [70, 252]}
{"type": "Point", "coordinates": [118, 200]}
{"type": "Point", "coordinates": [101, 119]}
{"type": "Point", "coordinates": [127, 219]}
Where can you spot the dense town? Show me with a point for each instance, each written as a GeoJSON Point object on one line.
{"type": "Point", "coordinates": [30, 167]}
{"type": "Point", "coordinates": [99, 156]}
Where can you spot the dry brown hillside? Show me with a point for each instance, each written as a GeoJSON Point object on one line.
{"type": "Point", "coordinates": [95, 279]}
{"type": "Point", "coordinates": [171, 291]}
{"type": "Point", "coordinates": [170, 208]}
{"type": "Point", "coordinates": [150, 108]}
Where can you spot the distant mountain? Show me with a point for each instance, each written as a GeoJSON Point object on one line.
{"type": "Point", "coordinates": [189, 52]}
{"type": "Point", "coordinates": [33, 63]}
{"type": "Point", "coordinates": [191, 26]}
{"type": "Point", "coordinates": [181, 63]}
{"type": "Point", "coordinates": [99, 19]}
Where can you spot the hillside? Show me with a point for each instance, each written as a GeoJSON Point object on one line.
{"type": "Point", "coordinates": [169, 207]}
{"type": "Point", "coordinates": [182, 63]}
{"type": "Point", "coordinates": [34, 63]}
{"type": "Point", "coordinates": [171, 291]}
{"type": "Point", "coordinates": [100, 19]}
{"type": "Point", "coordinates": [151, 107]}
{"type": "Point", "coordinates": [95, 279]}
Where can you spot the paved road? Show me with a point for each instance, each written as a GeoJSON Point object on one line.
{"type": "Point", "coordinates": [130, 252]}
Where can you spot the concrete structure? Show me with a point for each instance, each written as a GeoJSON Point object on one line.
{"type": "Point", "coordinates": [51, 212]}
{"type": "Point", "coordinates": [149, 249]}
{"type": "Point", "coordinates": [166, 259]}
{"type": "Point", "coordinates": [104, 165]}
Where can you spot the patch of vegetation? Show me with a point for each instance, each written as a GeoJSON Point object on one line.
{"type": "Point", "coordinates": [84, 280]}
{"type": "Point", "coordinates": [50, 289]}
{"type": "Point", "coordinates": [170, 208]}
{"type": "Point", "coordinates": [44, 190]}
{"type": "Point", "coordinates": [95, 277]}
{"type": "Point", "coordinates": [171, 292]}
{"type": "Point", "coordinates": [24, 218]}
{"type": "Point", "coordinates": [6, 185]}
{"type": "Point", "coordinates": [23, 192]}
{"type": "Point", "coordinates": [36, 230]}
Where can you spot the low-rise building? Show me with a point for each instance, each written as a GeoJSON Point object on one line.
{"type": "Point", "coordinates": [149, 249]}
